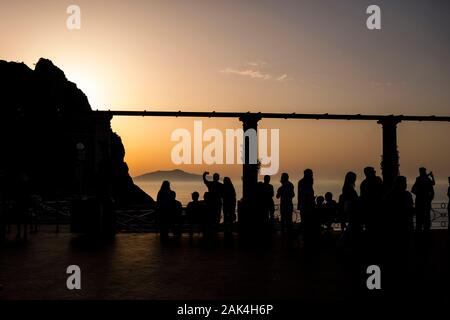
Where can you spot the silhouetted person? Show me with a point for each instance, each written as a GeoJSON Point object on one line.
{"type": "Point", "coordinates": [423, 188]}
{"type": "Point", "coordinates": [174, 212]}
{"type": "Point", "coordinates": [396, 235]}
{"type": "Point", "coordinates": [286, 193]}
{"type": "Point", "coordinates": [261, 218]}
{"type": "Point", "coordinates": [400, 211]}
{"type": "Point", "coordinates": [306, 203]}
{"type": "Point", "coordinates": [320, 212]}
{"type": "Point", "coordinates": [371, 194]}
{"type": "Point", "coordinates": [267, 200]}
{"type": "Point", "coordinates": [331, 210]}
{"type": "Point", "coordinates": [215, 189]}
{"type": "Point", "coordinates": [22, 203]}
{"type": "Point", "coordinates": [229, 206]}
{"type": "Point", "coordinates": [348, 205]}
{"type": "Point", "coordinates": [194, 212]}
{"type": "Point", "coordinates": [207, 218]}
{"type": "Point", "coordinates": [162, 209]}
{"type": "Point", "coordinates": [448, 205]}
{"type": "Point", "coordinates": [2, 205]}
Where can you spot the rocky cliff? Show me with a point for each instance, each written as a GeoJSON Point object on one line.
{"type": "Point", "coordinates": [43, 117]}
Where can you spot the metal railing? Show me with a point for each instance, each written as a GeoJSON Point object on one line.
{"type": "Point", "coordinates": [144, 220]}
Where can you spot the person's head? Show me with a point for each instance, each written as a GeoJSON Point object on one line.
{"type": "Point", "coordinates": [165, 185]}
{"type": "Point", "coordinates": [227, 181]}
{"type": "Point", "coordinates": [369, 172]}
{"type": "Point", "coordinates": [320, 200]}
{"type": "Point", "coordinates": [172, 195]}
{"type": "Point", "coordinates": [350, 179]}
{"type": "Point", "coordinates": [400, 183]}
{"type": "Point", "coordinates": [308, 173]}
{"type": "Point", "coordinates": [266, 178]}
{"type": "Point", "coordinates": [195, 195]}
{"type": "Point", "coordinates": [206, 195]}
{"type": "Point", "coordinates": [216, 177]}
{"type": "Point", "coordinates": [423, 172]}
{"type": "Point", "coordinates": [329, 196]}
{"type": "Point", "coordinates": [284, 177]}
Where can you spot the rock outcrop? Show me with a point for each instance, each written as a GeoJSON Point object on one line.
{"type": "Point", "coordinates": [43, 117]}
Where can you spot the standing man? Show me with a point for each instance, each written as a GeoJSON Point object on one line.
{"type": "Point", "coordinates": [423, 188]}
{"type": "Point", "coordinates": [286, 193]}
{"type": "Point", "coordinates": [215, 191]}
{"type": "Point", "coordinates": [371, 194]}
{"type": "Point", "coordinates": [268, 201]}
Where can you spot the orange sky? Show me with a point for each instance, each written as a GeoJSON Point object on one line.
{"type": "Point", "coordinates": [275, 56]}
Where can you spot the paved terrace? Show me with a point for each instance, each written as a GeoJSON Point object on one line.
{"type": "Point", "coordinates": [136, 266]}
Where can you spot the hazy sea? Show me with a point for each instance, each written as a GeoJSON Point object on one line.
{"type": "Point", "coordinates": [184, 189]}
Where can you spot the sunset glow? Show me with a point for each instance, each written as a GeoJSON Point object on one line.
{"type": "Point", "coordinates": [235, 56]}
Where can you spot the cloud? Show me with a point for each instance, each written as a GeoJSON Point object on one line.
{"type": "Point", "coordinates": [254, 74]}
{"type": "Point", "coordinates": [257, 63]}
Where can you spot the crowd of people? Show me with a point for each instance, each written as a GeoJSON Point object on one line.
{"type": "Point", "coordinates": [375, 210]}
{"type": "Point", "coordinates": [204, 215]}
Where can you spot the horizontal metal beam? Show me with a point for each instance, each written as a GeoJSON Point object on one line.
{"type": "Point", "coordinates": [311, 116]}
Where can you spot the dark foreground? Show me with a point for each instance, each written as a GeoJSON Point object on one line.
{"type": "Point", "coordinates": [136, 266]}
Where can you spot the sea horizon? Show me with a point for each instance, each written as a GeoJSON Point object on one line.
{"type": "Point", "coordinates": [184, 189]}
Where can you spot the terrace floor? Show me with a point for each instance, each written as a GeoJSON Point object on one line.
{"type": "Point", "coordinates": [136, 266]}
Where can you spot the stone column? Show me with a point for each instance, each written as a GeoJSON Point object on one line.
{"type": "Point", "coordinates": [390, 159]}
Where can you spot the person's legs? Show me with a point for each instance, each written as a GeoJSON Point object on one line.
{"type": "Point", "coordinates": [226, 222]}
{"type": "Point", "coordinates": [19, 231]}
{"type": "Point", "coordinates": [419, 218]}
{"type": "Point", "coordinates": [2, 225]}
{"type": "Point", "coordinates": [25, 231]}
{"type": "Point", "coordinates": [427, 219]}
{"type": "Point", "coordinates": [289, 222]}
{"type": "Point", "coordinates": [283, 220]}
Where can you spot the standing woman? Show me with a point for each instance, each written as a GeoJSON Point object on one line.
{"type": "Point", "coordinates": [162, 209]}
{"type": "Point", "coordinates": [286, 193]}
{"type": "Point", "coordinates": [348, 203]}
{"type": "Point", "coordinates": [229, 206]}
{"type": "Point", "coordinates": [306, 204]}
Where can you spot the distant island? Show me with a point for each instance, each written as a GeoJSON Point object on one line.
{"type": "Point", "coordinates": [171, 175]}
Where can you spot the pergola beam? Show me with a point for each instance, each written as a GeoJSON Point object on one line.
{"type": "Point", "coordinates": [273, 115]}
